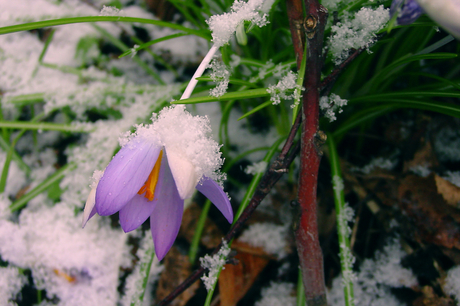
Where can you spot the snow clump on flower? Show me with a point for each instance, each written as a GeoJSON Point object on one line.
{"type": "Point", "coordinates": [174, 127]}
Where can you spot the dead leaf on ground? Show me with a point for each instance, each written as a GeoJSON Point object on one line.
{"type": "Point", "coordinates": [236, 280]}
{"type": "Point", "coordinates": [211, 236]}
{"type": "Point", "coordinates": [177, 269]}
{"type": "Point", "coordinates": [430, 219]}
{"type": "Point", "coordinates": [424, 156]}
{"type": "Point", "coordinates": [430, 298]}
{"type": "Point", "coordinates": [449, 191]}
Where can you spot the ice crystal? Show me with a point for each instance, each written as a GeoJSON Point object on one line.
{"type": "Point", "coordinates": [330, 105]}
{"type": "Point", "coordinates": [221, 75]}
{"type": "Point", "coordinates": [223, 26]}
{"type": "Point", "coordinates": [256, 168]}
{"type": "Point", "coordinates": [282, 88]}
{"type": "Point", "coordinates": [375, 279]}
{"type": "Point", "coordinates": [357, 31]}
{"type": "Point", "coordinates": [214, 264]}
{"type": "Point", "coordinates": [111, 11]}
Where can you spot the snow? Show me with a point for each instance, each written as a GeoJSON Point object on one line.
{"type": "Point", "coordinates": [11, 282]}
{"type": "Point", "coordinates": [271, 237]}
{"type": "Point", "coordinates": [214, 264]}
{"type": "Point", "coordinates": [375, 278]}
{"type": "Point", "coordinates": [255, 168]}
{"type": "Point", "coordinates": [175, 128]}
{"type": "Point", "coordinates": [221, 75]}
{"type": "Point", "coordinates": [111, 11]}
{"type": "Point", "coordinates": [452, 283]}
{"type": "Point", "coordinates": [330, 105]}
{"type": "Point", "coordinates": [78, 267]}
{"type": "Point", "coordinates": [281, 89]}
{"type": "Point", "coordinates": [223, 26]}
{"type": "Point", "coordinates": [134, 287]}
{"type": "Point", "coordinates": [358, 31]}
{"type": "Point", "coordinates": [278, 294]}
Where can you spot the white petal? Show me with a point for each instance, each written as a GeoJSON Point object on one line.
{"type": "Point", "coordinates": [183, 172]}
{"type": "Point", "coordinates": [89, 207]}
{"type": "Point", "coordinates": [444, 12]}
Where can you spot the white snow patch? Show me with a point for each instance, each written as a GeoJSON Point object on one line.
{"type": "Point", "coordinates": [357, 32]}
{"type": "Point", "coordinates": [375, 278]}
{"type": "Point", "coordinates": [223, 26]}
{"type": "Point", "coordinates": [214, 264]}
{"type": "Point", "coordinates": [329, 105]}
{"type": "Point", "coordinates": [272, 238]}
{"type": "Point", "coordinates": [255, 168]}
{"type": "Point", "coordinates": [278, 294]}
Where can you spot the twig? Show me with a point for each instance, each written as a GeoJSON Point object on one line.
{"type": "Point", "coordinates": [328, 82]}
{"type": "Point", "coordinates": [271, 176]}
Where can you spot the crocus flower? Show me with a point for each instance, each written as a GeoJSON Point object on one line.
{"type": "Point", "coordinates": [154, 171]}
{"type": "Point", "coordinates": [444, 12]}
{"type": "Point", "coordinates": [408, 11]}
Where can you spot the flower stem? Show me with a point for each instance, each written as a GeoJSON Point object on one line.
{"type": "Point", "coordinates": [199, 72]}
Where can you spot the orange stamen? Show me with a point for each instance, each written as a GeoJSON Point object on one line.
{"type": "Point", "coordinates": [151, 183]}
{"type": "Point", "coordinates": [66, 276]}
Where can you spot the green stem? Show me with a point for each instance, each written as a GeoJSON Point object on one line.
{"type": "Point", "coordinates": [346, 258]}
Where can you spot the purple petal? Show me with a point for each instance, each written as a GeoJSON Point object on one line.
{"type": "Point", "coordinates": [167, 215]}
{"type": "Point", "coordinates": [408, 11]}
{"type": "Point", "coordinates": [217, 196]}
{"type": "Point", "coordinates": [139, 208]}
{"type": "Point", "coordinates": [133, 214]}
{"type": "Point", "coordinates": [125, 175]}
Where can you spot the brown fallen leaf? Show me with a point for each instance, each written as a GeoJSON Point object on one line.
{"type": "Point", "coordinates": [429, 218]}
{"type": "Point", "coordinates": [177, 269]}
{"type": "Point", "coordinates": [449, 191]}
{"type": "Point", "coordinates": [236, 280]}
{"type": "Point", "coordinates": [430, 298]}
{"type": "Point", "coordinates": [424, 156]}
{"type": "Point", "coordinates": [211, 236]}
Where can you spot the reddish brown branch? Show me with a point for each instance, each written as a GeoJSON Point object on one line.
{"type": "Point", "coordinates": [306, 228]}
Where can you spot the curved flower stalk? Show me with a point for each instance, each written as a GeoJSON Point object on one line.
{"type": "Point", "coordinates": [159, 166]}
{"type": "Point", "coordinates": [444, 12]}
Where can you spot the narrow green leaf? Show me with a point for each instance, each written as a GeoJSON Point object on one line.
{"type": "Point", "coordinates": [61, 21]}
{"type": "Point", "coordinates": [439, 107]}
{"type": "Point", "coordinates": [43, 126]}
{"type": "Point", "coordinates": [152, 42]}
{"type": "Point", "coordinates": [43, 186]}
{"type": "Point", "coordinates": [256, 109]}
{"type": "Point", "coordinates": [26, 99]}
{"type": "Point", "coordinates": [231, 80]}
{"type": "Point", "coordinates": [237, 95]}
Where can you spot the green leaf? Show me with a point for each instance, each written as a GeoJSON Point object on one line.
{"type": "Point", "coordinates": [152, 42]}
{"type": "Point", "coordinates": [43, 186]}
{"type": "Point", "coordinates": [256, 109]}
{"type": "Point", "coordinates": [231, 80]}
{"type": "Point", "coordinates": [237, 95]}
{"type": "Point", "coordinates": [43, 126]}
{"type": "Point", "coordinates": [439, 107]}
{"type": "Point", "coordinates": [61, 21]}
